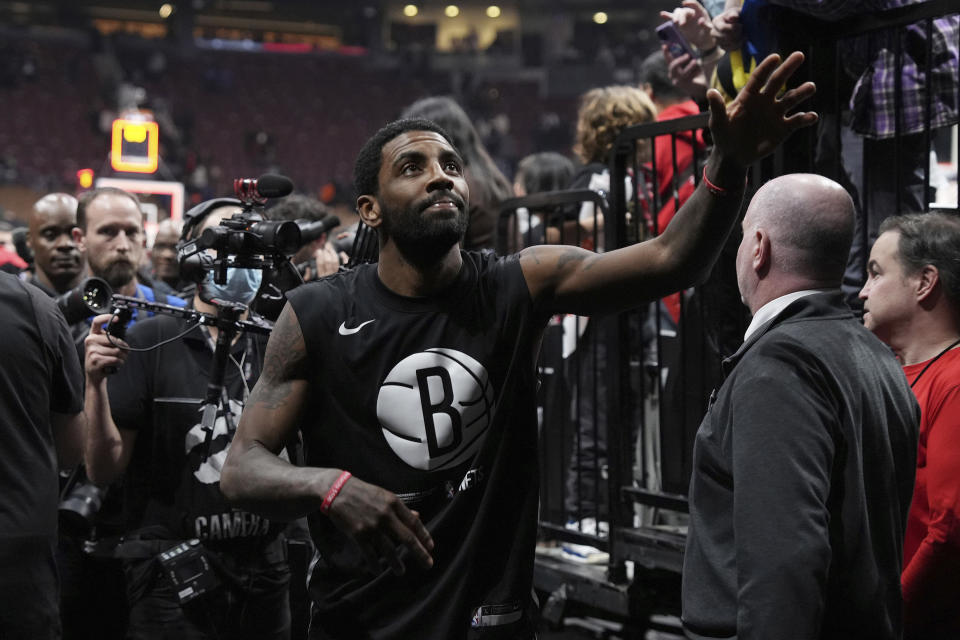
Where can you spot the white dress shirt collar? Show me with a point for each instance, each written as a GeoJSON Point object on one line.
{"type": "Point", "coordinates": [773, 308]}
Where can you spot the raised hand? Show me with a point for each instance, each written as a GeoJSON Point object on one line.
{"type": "Point", "coordinates": [756, 121]}
{"type": "Point", "coordinates": [727, 30]}
{"type": "Point", "coordinates": [693, 21]}
{"type": "Point", "coordinates": [687, 74]}
{"type": "Point", "coordinates": [382, 525]}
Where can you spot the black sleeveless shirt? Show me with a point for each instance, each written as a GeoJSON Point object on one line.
{"type": "Point", "coordinates": [433, 399]}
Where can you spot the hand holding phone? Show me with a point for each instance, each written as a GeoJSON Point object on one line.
{"type": "Point", "coordinates": [677, 45]}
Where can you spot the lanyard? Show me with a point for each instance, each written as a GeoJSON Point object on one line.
{"type": "Point", "coordinates": [935, 358]}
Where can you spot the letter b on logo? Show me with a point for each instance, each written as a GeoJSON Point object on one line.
{"type": "Point", "coordinates": [434, 407]}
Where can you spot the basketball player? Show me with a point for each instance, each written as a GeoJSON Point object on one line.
{"type": "Point", "coordinates": [412, 382]}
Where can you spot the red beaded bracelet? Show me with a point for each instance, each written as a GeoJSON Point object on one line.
{"type": "Point", "coordinates": [334, 490]}
{"type": "Point", "coordinates": [714, 189]}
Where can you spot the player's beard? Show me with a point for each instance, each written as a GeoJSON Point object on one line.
{"type": "Point", "coordinates": [423, 239]}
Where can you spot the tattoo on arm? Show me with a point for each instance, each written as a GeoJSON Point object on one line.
{"type": "Point", "coordinates": [284, 361]}
{"type": "Point", "coordinates": [573, 255]}
{"type": "Point", "coordinates": [532, 252]}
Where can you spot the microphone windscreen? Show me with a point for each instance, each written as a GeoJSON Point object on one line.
{"type": "Point", "coordinates": [271, 185]}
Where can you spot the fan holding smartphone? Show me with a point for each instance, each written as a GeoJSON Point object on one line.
{"type": "Point", "coordinates": [689, 47]}
{"type": "Point", "coordinates": [676, 44]}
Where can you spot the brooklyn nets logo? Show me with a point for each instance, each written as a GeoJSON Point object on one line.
{"type": "Point", "coordinates": [434, 408]}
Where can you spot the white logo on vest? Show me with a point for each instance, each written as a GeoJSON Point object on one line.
{"type": "Point", "coordinates": [209, 470]}
{"type": "Point", "coordinates": [434, 407]}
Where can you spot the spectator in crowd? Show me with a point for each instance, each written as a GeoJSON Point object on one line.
{"type": "Point", "coordinates": [692, 75]}
{"type": "Point", "coordinates": [41, 422]}
{"type": "Point", "coordinates": [317, 257]}
{"type": "Point", "coordinates": [882, 147]}
{"type": "Point", "coordinates": [10, 261]}
{"type": "Point", "coordinates": [603, 113]}
{"type": "Point", "coordinates": [432, 402]}
{"type": "Point", "coordinates": [673, 155]}
{"type": "Point", "coordinates": [539, 173]}
{"type": "Point", "coordinates": [145, 423]}
{"type": "Point", "coordinates": [912, 302]}
{"type": "Point", "coordinates": [488, 186]}
{"type": "Point", "coordinates": [669, 151]}
{"type": "Point", "coordinates": [59, 263]}
{"type": "Point", "coordinates": [6, 235]}
{"type": "Point", "coordinates": [803, 465]}
{"type": "Point", "coordinates": [163, 256]}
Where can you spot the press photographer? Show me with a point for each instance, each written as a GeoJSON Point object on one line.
{"type": "Point", "coordinates": [194, 566]}
{"type": "Point", "coordinates": [109, 231]}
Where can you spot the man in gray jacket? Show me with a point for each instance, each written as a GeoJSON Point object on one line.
{"type": "Point", "coordinates": [804, 463]}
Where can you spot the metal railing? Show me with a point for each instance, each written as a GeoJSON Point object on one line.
{"type": "Point", "coordinates": [657, 384]}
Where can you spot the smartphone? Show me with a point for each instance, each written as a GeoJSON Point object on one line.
{"type": "Point", "coordinates": [677, 45]}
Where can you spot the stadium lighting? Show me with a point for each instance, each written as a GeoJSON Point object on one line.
{"type": "Point", "coordinates": [85, 178]}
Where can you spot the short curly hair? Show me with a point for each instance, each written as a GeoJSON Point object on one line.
{"type": "Point", "coordinates": [603, 113]}
{"type": "Point", "coordinates": [366, 171]}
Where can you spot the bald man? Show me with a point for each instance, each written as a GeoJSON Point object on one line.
{"type": "Point", "coordinates": [163, 255]}
{"type": "Point", "coordinates": [59, 261]}
{"type": "Point", "coordinates": [803, 466]}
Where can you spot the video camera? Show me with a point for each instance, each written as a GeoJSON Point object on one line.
{"type": "Point", "coordinates": [244, 240]}
{"type": "Point", "coordinates": [89, 298]}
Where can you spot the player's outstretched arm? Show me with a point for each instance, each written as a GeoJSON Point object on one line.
{"type": "Point", "coordinates": [255, 477]}
{"type": "Point", "coordinates": [569, 279]}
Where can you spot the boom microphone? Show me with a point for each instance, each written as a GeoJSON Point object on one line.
{"type": "Point", "coordinates": [310, 231]}
{"type": "Point", "coordinates": [269, 185]}
{"type": "Point", "coordinates": [272, 185]}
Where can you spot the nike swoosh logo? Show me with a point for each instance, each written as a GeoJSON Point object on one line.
{"type": "Point", "coordinates": [344, 331]}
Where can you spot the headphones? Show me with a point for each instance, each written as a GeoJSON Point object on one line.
{"type": "Point", "coordinates": [193, 268]}
{"type": "Point", "coordinates": [197, 214]}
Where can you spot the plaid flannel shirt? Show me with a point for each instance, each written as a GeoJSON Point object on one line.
{"type": "Point", "coordinates": [872, 59]}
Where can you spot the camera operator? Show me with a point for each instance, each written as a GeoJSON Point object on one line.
{"type": "Point", "coordinates": [109, 231]}
{"type": "Point", "coordinates": [41, 425]}
{"type": "Point", "coordinates": [145, 422]}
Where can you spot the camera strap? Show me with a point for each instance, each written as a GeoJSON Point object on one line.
{"type": "Point", "coordinates": [244, 366]}
{"type": "Point", "coordinates": [120, 547]}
